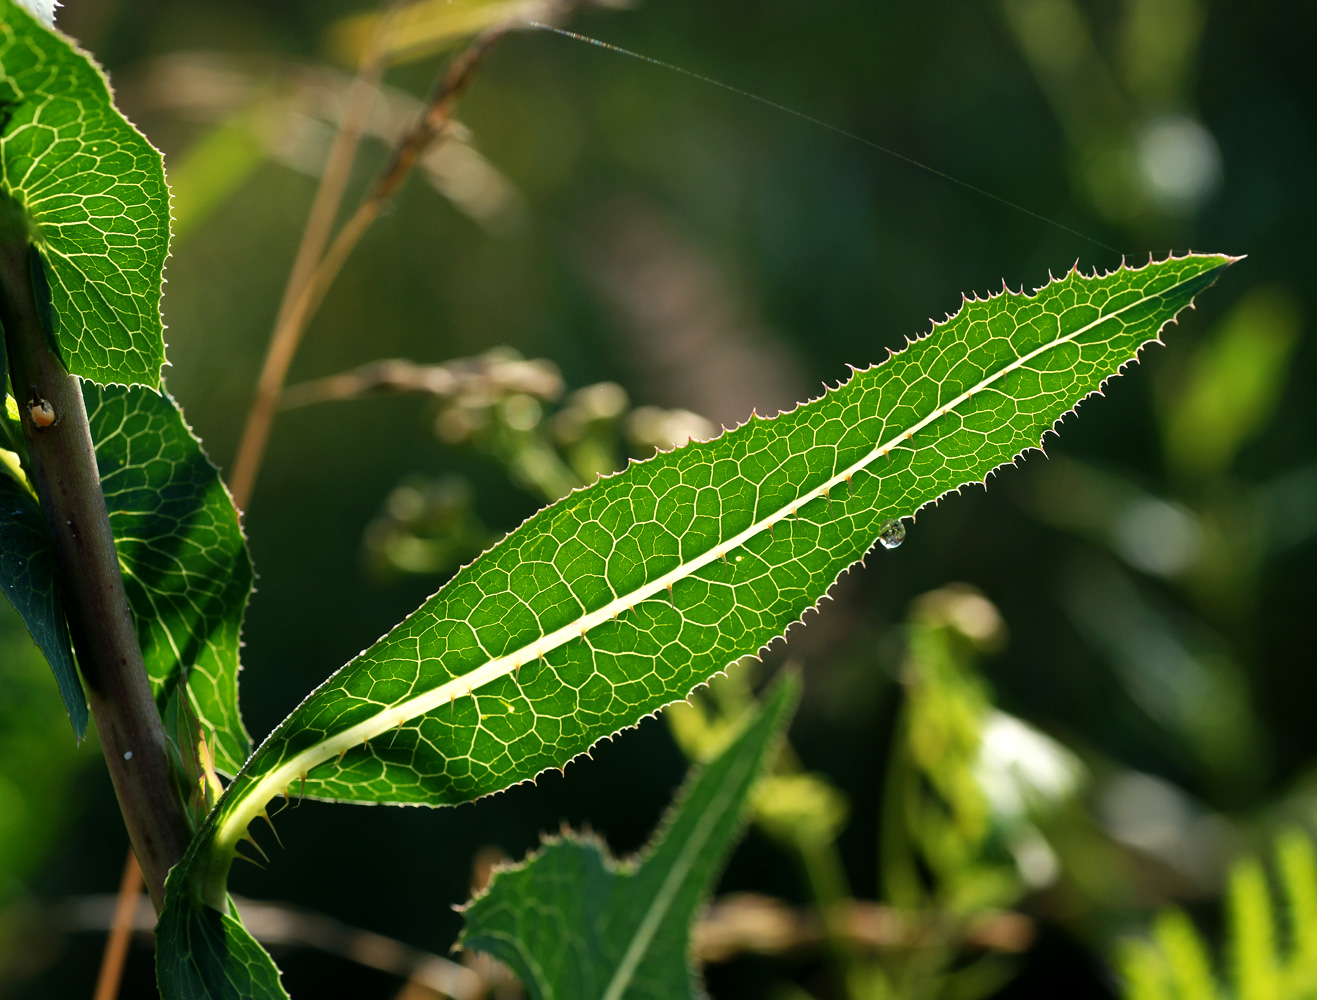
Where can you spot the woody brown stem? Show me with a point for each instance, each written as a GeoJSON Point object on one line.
{"type": "Point", "coordinates": [63, 470]}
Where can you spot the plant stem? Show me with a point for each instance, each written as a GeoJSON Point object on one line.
{"type": "Point", "coordinates": [303, 297]}
{"type": "Point", "coordinates": [319, 223]}
{"type": "Point", "coordinates": [121, 932]}
{"type": "Point", "coordinates": [64, 472]}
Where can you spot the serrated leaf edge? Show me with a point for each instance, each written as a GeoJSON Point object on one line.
{"type": "Point", "coordinates": [234, 818]}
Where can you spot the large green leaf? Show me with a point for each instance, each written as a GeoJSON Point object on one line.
{"type": "Point", "coordinates": [27, 576]}
{"type": "Point", "coordinates": [623, 596]}
{"type": "Point", "coordinates": [93, 191]}
{"type": "Point", "coordinates": [576, 925]}
{"type": "Point", "coordinates": [182, 552]}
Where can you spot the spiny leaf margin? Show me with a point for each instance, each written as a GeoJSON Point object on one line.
{"type": "Point", "coordinates": [373, 737]}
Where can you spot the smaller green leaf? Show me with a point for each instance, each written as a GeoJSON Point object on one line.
{"type": "Point", "coordinates": [202, 954]}
{"type": "Point", "coordinates": [184, 559]}
{"type": "Point", "coordinates": [13, 448]}
{"type": "Point", "coordinates": [27, 576]}
{"type": "Point", "coordinates": [1143, 972]}
{"type": "Point", "coordinates": [576, 925]}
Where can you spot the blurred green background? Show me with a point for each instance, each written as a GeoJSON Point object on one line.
{"type": "Point", "coordinates": [1147, 589]}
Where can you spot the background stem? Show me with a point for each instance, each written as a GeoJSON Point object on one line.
{"type": "Point", "coordinates": [121, 932]}
{"type": "Point", "coordinates": [64, 472]}
{"type": "Point", "coordinates": [308, 286]}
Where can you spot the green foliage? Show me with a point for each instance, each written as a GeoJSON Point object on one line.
{"type": "Point", "coordinates": [202, 954]}
{"type": "Point", "coordinates": [576, 925]}
{"type": "Point", "coordinates": [183, 556]}
{"type": "Point", "coordinates": [1175, 963]}
{"type": "Point", "coordinates": [625, 595]}
{"type": "Point", "coordinates": [182, 552]}
{"type": "Point", "coordinates": [619, 598]}
{"type": "Point", "coordinates": [966, 791]}
{"type": "Point", "coordinates": [1232, 384]}
{"type": "Point", "coordinates": [27, 576]}
{"type": "Point", "coordinates": [942, 820]}
{"type": "Point", "coordinates": [92, 191]}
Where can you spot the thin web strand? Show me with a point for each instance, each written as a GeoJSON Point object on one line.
{"type": "Point", "coordinates": [609, 46]}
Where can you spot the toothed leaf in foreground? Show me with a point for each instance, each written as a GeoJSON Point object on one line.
{"type": "Point", "coordinates": [184, 559]}
{"type": "Point", "coordinates": [27, 576]}
{"type": "Point", "coordinates": [623, 596]}
{"type": "Point", "coordinates": [91, 190]}
{"type": "Point", "coordinates": [576, 925]}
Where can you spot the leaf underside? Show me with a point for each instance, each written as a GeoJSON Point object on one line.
{"type": "Point", "coordinates": [184, 559]}
{"type": "Point", "coordinates": [576, 925]}
{"type": "Point", "coordinates": [94, 191]}
{"type": "Point", "coordinates": [625, 595]}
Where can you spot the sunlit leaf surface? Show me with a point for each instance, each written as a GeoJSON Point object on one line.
{"type": "Point", "coordinates": [623, 596]}
{"type": "Point", "coordinates": [202, 954]}
{"type": "Point", "coordinates": [184, 559]}
{"type": "Point", "coordinates": [94, 193]}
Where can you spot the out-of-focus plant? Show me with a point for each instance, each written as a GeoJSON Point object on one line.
{"type": "Point", "coordinates": [1269, 950]}
{"type": "Point", "coordinates": [966, 788]}
{"type": "Point", "coordinates": [1139, 150]}
{"type": "Point", "coordinates": [249, 112]}
{"type": "Point", "coordinates": [38, 763]}
{"type": "Point", "coordinates": [961, 841]}
{"type": "Point", "coordinates": [508, 410]}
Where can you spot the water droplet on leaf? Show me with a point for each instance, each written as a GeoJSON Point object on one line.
{"type": "Point", "coordinates": [893, 534]}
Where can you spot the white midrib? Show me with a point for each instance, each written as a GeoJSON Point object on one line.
{"type": "Point", "coordinates": [230, 828]}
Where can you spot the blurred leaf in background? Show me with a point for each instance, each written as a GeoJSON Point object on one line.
{"type": "Point", "coordinates": [1230, 388]}
{"type": "Point", "coordinates": [1270, 947]}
